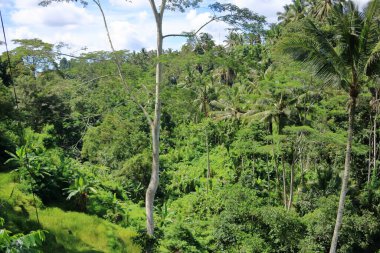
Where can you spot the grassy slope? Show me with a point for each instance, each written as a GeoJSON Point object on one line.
{"type": "Point", "coordinates": [68, 231]}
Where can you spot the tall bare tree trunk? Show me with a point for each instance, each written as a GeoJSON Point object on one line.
{"type": "Point", "coordinates": [155, 125]}
{"type": "Point", "coordinates": [370, 145]}
{"type": "Point", "coordinates": [208, 163]}
{"type": "Point", "coordinates": [374, 151]}
{"type": "Point", "coordinates": [284, 182]}
{"type": "Point", "coordinates": [375, 136]}
{"type": "Point", "coordinates": [346, 175]}
{"type": "Point", "coordinates": [276, 170]}
{"type": "Point", "coordinates": [291, 185]}
{"type": "Point", "coordinates": [268, 174]}
{"type": "Point", "coordinates": [253, 170]}
{"type": "Point", "coordinates": [297, 155]}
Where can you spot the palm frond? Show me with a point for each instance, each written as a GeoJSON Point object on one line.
{"type": "Point", "coordinates": [260, 116]}
{"type": "Point", "coordinates": [372, 66]}
{"type": "Point", "coordinates": [369, 21]}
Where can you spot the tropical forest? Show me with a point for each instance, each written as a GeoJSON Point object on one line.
{"type": "Point", "coordinates": [265, 142]}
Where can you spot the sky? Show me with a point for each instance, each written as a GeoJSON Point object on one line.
{"type": "Point", "coordinates": [131, 23]}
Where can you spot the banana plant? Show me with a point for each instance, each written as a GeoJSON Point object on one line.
{"type": "Point", "coordinates": [80, 190]}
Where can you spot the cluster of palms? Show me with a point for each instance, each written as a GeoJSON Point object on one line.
{"type": "Point", "coordinates": [299, 9]}
{"type": "Point", "coordinates": [350, 58]}
{"type": "Point", "coordinates": [335, 39]}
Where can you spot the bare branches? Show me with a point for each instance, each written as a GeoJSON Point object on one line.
{"type": "Point", "coordinates": [190, 34]}
{"type": "Point", "coordinates": [97, 2]}
{"type": "Point", "coordinates": [155, 11]}
{"type": "Point", "coordinates": [162, 9]}
{"type": "Point", "coordinates": [122, 79]}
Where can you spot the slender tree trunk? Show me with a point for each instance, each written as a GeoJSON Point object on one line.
{"type": "Point", "coordinates": [274, 156]}
{"type": "Point", "coordinates": [373, 150]}
{"type": "Point", "coordinates": [208, 163]}
{"type": "Point", "coordinates": [276, 170]}
{"type": "Point", "coordinates": [268, 175]}
{"type": "Point", "coordinates": [253, 170]}
{"type": "Point", "coordinates": [284, 181]}
{"type": "Point", "coordinates": [155, 123]}
{"type": "Point", "coordinates": [291, 185]}
{"type": "Point", "coordinates": [155, 126]}
{"type": "Point", "coordinates": [307, 165]}
{"type": "Point", "coordinates": [370, 139]}
{"type": "Point", "coordinates": [346, 175]}
{"type": "Point", "coordinates": [375, 139]}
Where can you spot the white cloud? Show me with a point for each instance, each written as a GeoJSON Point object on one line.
{"type": "Point", "coordinates": [131, 22]}
{"type": "Point", "coordinates": [21, 32]}
{"type": "Point", "coordinates": [5, 4]}
{"type": "Point", "coordinates": [268, 8]}
{"type": "Point", "coordinates": [176, 23]}
{"type": "Point", "coordinates": [130, 4]}
{"type": "Point", "coordinates": [143, 15]}
{"type": "Point", "coordinates": [191, 14]}
{"type": "Point", "coordinates": [58, 15]}
{"type": "Point", "coordinates": [22, 4]}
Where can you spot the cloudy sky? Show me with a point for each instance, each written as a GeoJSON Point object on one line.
{"type": "Point", "coordinates": [131, 22]}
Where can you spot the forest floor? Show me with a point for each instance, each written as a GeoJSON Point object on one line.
{"type": "Point", "coordinates": [67, 231]}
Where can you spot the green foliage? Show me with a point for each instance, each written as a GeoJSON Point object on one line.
{"type": "Point", "coordinates": [357, 230]}
{"type": "Point", "coordinates": [114, 141]}
{"type": "Point", "coordinates": [41, 165]}
{"type": "Point", "coordinates": [16, 243]}
{"type": "Point", "coordinates": [179, 238]}
{"type": "Point", "coordinates": [243, 129]}
{"type": "Point", "coordinates": [246, 218]}
{"type": "Point", "coordinates": [80, 190]}
{"type": "Point", "coordinates": [8, 126]}
{"type": "Point", "coordinates": [133, 175]}
{"type": "Point", "coordinates": [67, 231]}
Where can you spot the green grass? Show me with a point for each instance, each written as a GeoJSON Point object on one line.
{"type": "Point", "coordinates": [67, 231]}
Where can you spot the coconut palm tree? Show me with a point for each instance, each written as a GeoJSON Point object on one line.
{"type": "Point", "coordinates": [348, 59]}
{"type": "Point", "coordinates": [293, 12]}
{"type": "Point", "coordinates": [321, 8]}
{"type": "Point", "coordinates": [234, 39]}
{"type": "Point", "coordinates": [230, 107]}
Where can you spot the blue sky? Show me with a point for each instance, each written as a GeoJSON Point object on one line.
{"type": "Point", "coordinates": [131, 22]}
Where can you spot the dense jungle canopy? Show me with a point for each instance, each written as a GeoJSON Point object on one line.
{"type": "Point", "coordinates": [268, 142]}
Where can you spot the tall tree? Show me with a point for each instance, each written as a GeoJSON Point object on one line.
{"type": "Point", "coordinates": [154, 121]}
{"type": "Point", "coordinates": [158, 13]}
{"type": "Point", "coordinates": [348, 59]}
{"type": "Point", "coordinates": [242, 18]}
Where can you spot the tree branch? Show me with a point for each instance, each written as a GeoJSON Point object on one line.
{"type": "Point", "coordinates": [154, 8]}
{"type": "Point", "coordinates": [105, 24]}
{"type": "Point", "coordinates": [191, 34]}
{"type": "Point", "coordinates": [162, 9]}
{"type": "Point", "coordinates": [94, 79]}
{"type": "Point", "coordinates": [124, 82]}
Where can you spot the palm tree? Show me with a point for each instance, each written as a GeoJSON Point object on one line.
{"type": "Point", "coordinates": [348, 59]}
{"type": "Point", "coordinates": [321, 8]}
{"type": "Point", "coordinates": [274, 109]}
{"type": "Point", "coordinates": [229, 107]}
{"type": "Point", "coordinates": [202, 86]}
{"type": "Point", "coordinates": [293, 12]}
{"type": "Point", "coordinates": [273, 34]}
{"type": "Point", "coordinates": [234, 39]}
